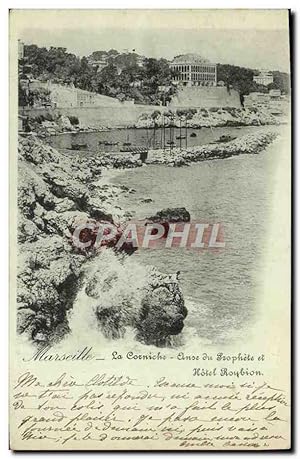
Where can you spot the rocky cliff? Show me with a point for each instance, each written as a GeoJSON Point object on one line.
{"type": "Point", "coordinates": [56, 193]}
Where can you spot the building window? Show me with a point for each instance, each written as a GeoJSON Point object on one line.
{"type": "Point", "coordinates": [194, 72]}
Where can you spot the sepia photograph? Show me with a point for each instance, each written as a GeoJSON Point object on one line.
{"type": "Point", "coordinates": [150, 202]}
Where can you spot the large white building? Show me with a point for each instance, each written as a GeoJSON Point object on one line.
{"type": "Point", "coordinates": [264, 78]}
{"type": "Point", "coordinates": [193, 70]}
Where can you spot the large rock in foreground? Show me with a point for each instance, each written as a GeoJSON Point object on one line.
{"type": "Point", "coordinates": [125, 294]}
{"type": "Point", "coordinates": [163, 313]}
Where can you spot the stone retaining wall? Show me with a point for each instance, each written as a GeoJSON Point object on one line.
{"type": "Point", "coordinates": [119, 116]}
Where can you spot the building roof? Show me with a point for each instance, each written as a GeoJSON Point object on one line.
{"type": "Point", "coordinates": [189, 58]}
{"type": "Point", "coordinates": [264, 72]}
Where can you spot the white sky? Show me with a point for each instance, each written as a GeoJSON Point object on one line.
{"type": "Point", "coordinates": [250, 38]}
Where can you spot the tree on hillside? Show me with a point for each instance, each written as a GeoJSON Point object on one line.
{"type": "Point", "coordinates": [123, 61]}
{"type": "Point", "coordinates": [54, 63]}
{"type": "Point", "coordinates": [157, 73]}
{"type": "Point", "coordinates": [239, 78]}
{"type": "Point", "coordinates": [281, 81]}
{"type": "Point", "coordinates": [22, 96]}
{"type": "Point", "coordinates": [84, 77]}
{"type": "Point", "coordinates": [112, 52]}
{"type": "Point", "coordinates": [122, 76]}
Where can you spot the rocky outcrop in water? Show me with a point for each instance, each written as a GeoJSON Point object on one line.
{"type": "Point", "coordinates": [173, 215]}
{"type": "Point", "coordinates": [163, 312]}
{"type": "Point", "coordinates": [167, 216]}
{"type": "Point", "coordinates": [127, 295]}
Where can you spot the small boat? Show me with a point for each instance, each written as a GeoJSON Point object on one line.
{"type": "Point", "coordinates": [126, 149]}
{"type": "Point", "coordinates": [193, 134]}
{"type": "Point", "coordinates": [224, 138]}
{"type": "Point", "coordinates": [106, 143]}
{"type": "Point", "coordinates": [180, 137]}
{"type": "Point", "coordinates": [78, 146]}
{"type": "Point", "coordinates": [171, 143]}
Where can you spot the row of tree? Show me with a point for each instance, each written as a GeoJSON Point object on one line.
{"type": "Point", "coordinates": [124, 78]}
{"type": "Point", "coordinates": [241, 79]}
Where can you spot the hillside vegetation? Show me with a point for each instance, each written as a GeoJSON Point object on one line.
{"type": "Point", "coordinates": [149, 83]}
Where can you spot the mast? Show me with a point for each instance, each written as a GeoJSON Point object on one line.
{"type": "Point", "coordinates": [147, 136]}
{"type": "Point", "coordinates": [211, 128]}
{"type": "Point", "coordinates": [164, 132]}
{"type": "Point", "coordinates": [186, 133]}
{"type": "Point", "coordinates": [180, 133]}
{"type": "Point", "coordinates": [170, 133]}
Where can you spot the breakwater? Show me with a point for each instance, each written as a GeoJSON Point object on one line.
{"type": "Point", "coordinates": [248, 144]}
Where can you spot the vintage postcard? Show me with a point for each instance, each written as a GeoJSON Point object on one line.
{"type": "Point", "coordinates": [150, 222]}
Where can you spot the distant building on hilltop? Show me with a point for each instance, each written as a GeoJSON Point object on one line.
{"type": "Point", "coordinates": [264, 78]}
{"type": "Point", "coordinates": [99, 63]}
{"type": "Point", "coordinates": [103, 59]}
{"type": "Point", "coordinates": [193, 70]}
{"type": "Point", "coordinates": [140, 61]}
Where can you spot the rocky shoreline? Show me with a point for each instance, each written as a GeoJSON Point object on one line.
{"type": "Point", "coordinates": [56, 193]}
{"type": "Point", "coordinates": [209, 117]}
{"type": "Point", "coordinates": [247, 144]}
{"type": "Point", "coordinates": [57, 124]}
